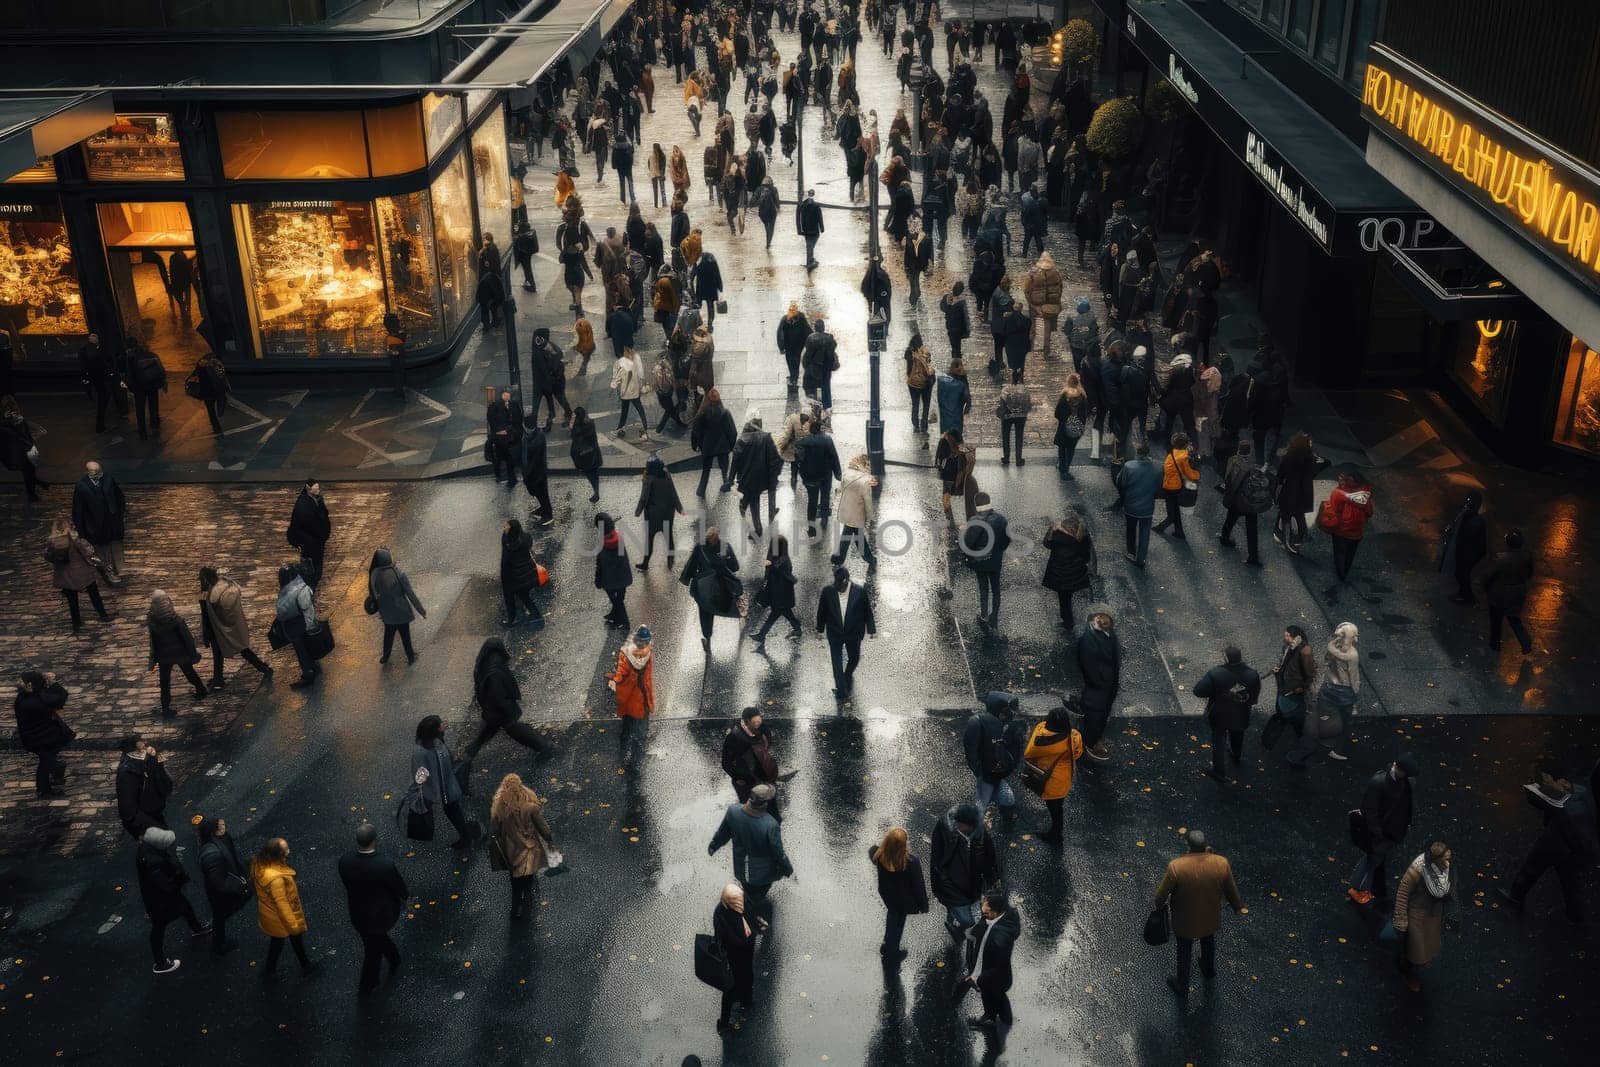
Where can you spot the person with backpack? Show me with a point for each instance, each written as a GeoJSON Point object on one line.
{"type": "Point", "coordinates": [1230, 690]}
{"type": "Point", "coordinates": [919, 380]}
{"type": "Point", "coordinates": [209, 384]}
{"type": "Point", "coordinates": [1246, 494]}
{"type": "Point", "coordinates": [1048, 763]}
{"type": "Point", "coordinates": [993, 741]}
{"type": "Point", "coordinates": [1343, 517]}
{"type": "Point", "coordinates": [962, 864]}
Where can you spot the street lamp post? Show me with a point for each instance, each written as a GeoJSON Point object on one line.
{"type": "Point", "coordinates": [877, 332]}
{"type": "Point", "coordinates": [799, 153]}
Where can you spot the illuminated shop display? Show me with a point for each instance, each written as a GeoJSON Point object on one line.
{"type": "Point", "coordinates": [453, 240]}
{"type": "Point", "coordinates": [135, 148]}
{"type": "Point", "coordinates": [43, 170]}
{"type": "Point", "coordinates": [441, 121]}
{"type": "Point", "coordinates": [1483, 364]}
{"type": "Point", "coordinates": [1578, 414]}
{"type": "Point", "coordinates": [313, 277]}
{"type": "Point", "coordinates": [41, 307]}
{"type": "Point", "coordinates": [405, 224]}
{"type": "Point", "coordinates": [490, 167]}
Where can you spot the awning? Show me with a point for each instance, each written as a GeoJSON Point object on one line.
{"type": "Point", "coordinates": [1317, 175]}
{"type": "Point", "coordinates": [42, 125]}
{"type": "Point", "coordinates": [569, 26]}
{"type": "Point", "coordinates": [612, 15]}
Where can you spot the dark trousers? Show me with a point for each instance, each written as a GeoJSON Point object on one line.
{"type": "Point", "coordinates": [214, 413]}
{"type": "Point", "coordinates": [1208, 957]}
{"type": "Point", "coordinates": [52, 770]}
{"type": "Point", "coordinates": [851, 535]}
{"type": "Point", "coordinates": [1009, 429]}
{"type": "Point", "coordinates": [752, 502]}
{"type": "Point", "coordinates": [539, 489]}
{"type": "Point", "coordinates": [1057, 809]}
{"type": "Point", "coordinates": [551, 398]}
{"type": "Point", "coordinates": [774, 616]}
{"type": "Point", "coordinates": [669, 410]}
{"type": "Point", "coordinates": [147, 409]}
{"type": "Point", "coordinates": [592, 476]}
{"type": "Point", "coordinates": [894, 924]}
{"type": "Point", "coordinates": [818, 498]}
{"type": "Point", "coordinates": [844, 655]}
{"type": "Point", "coordinates": [1064, 454]}
{"type": "Point", "coordinates": [164, 670]}
{"type": "Point", "coordinates": [920, 401]}
{"type": "Point", "coordinates": [375, 948]}
{"type": "Point", "coordinates": [1287, 519]}
{"type": "Point", "coordinates": [1064, 599]}
{"type": "Point", "coordinates": [458, 819]}
{"type": "Point", "coordinates": [743, 988]}
{"type": "Point", "coordinates": [1344, 555]}
{"type": "Point", "coordinates": [503, 457]}
{"type": "Point", "coordinates": [637, 405]}
{"type": "Point", "coordinates": [158, 931]}
{"type": "Point", "coordinates": [996, 1006]}
{"type": "Point", "coordinates": [404, 630]}
{"type": "Point", "coordinates": [518, 731]}
{"type": "Point", "coordinates": [1567, 867]}
{"type": "Point", "coordinates": [246, 654]}
{"type": "Point", "coordinates": [1251, 533]}
{"type": "Point", "coordinates": [525, 596]}
{"type": "Point", "coordinates": [652, 528]}
{"type": "Point", "coordinates": [312, 565]}
{"type": "Point", "coordinates": [93, 589]}
{"type": "Point", "coordinates": [707, 621]}
{"type": "Point", "coordinates": [309, 667]}
{"type": "Point", "coordinates": [1235, 744]}
{"type": "Point", "coordinates": [1174, 518]}
{"type": "Point", "coordinates": [619, 606]}
{"type": "Point", "coordinates": [989, 593]}
{"type": "Point", "coordinates": [1496, 617]}
{"type": "Point", "coordinates": [221, 911]}
{"type": "Point", "coordinates": [102, 400]}
{"type": "Point", "coordinates": [275, 949]}
{"type": "Point", "coordinates": [1138, 536]}
{"type": "Point", "coordinates": [1094, 725]}
{"type": "Point", "coordinates": [811, 250]}
{"type": "Point", "coordinates": [706, 459]}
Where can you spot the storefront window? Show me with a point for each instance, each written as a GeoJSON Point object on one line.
{"type": "Point", "coordinates": [146, 225]}
{"type": "Point", "coordinates": [313, 277]}
{"type": "Point", "coordinates": [1330, 31]}
{"type": "Point", "coordinates": [1272, 13]}
{"type": "Point", "coordinates": [1482, 364]}
{"type": "Point", "coordinates": [1364, 29]}
{"type": "Point", "coordinates": [43, 170]}
{"type": "Point", "coordinates": [1578, 415]}
{"type": "Point", "coordinates": [41, 307]}
{"type": "Point", "coordinates": [1299, 28]}
{"type": "Point", "coordinates": [394, 139]}
{"type": "Point", "coordinates": [406, 225]}
{"type": "Point", "coordinates": [453, 240]}
{"type": "Point", "coordinates": [490, 166]}
{"type": "Point", "coordinates": [136, 148]}
{"type": "Point", "coordinates": [292, 144]}
{"type": "Point", "coordinates": [441, 119]}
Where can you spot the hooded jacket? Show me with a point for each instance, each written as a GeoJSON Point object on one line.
{"type": "Point", "coordinates": [1042, 287]}
{"type": "Point", "coordinates": [389, 585]}
{"type": "Point", "coordinates": [278, 905]}
{"type": "Point", "coordinates": [634, 681]}
{"type": "Point", "coordinates": [755, 460]}
{"type": "Point", "coordinates": [961, 865]}
{"type": "Point", "coordinates": [161, 875]}
{"type": "Point", "coordinates": [995, 723]}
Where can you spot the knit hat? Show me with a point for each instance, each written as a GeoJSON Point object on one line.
{"type": "Point", "coordinates": [642, 635]}
{"type": "Point", "coordinates": [1083, 305]}
{"type": "Point", "coordinates": [761, 796]}
{"type": "Point", "coordinates": [159, 837]}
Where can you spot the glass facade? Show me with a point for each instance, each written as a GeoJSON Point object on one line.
{"type": "Point", "coordinates": [454, 240]}
{"type": "Point", "coordinates": [313, 277]}
{"type": "Point", "coordinates": [43, 170]}
{"type": "Point", "coordinates": [405, 224]}
{"type": "Point", "coordinates": [394, 139]}
{"type": "Point", "coordinates": [441, 121]}
{"type": "Point", "coordinates": [1482, 364]}
{"type": "Point", "coordinates": [1578, 412]}
{"type": "Point", "coordinates": [1335, 33]}
{"type": "Point", "coordinates": [136, 148]}
{"type": "Point", "coordinates": [41, 304]}
{"type": "Point", "coordinates": [490, 168]}
{"type": "Point", "coordinates": [1331, 31]}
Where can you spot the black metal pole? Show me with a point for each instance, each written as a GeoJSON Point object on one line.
{"type": "Point", "coordinates": [874, 411]}
{"type": "Point", "coordinates": [513, 362]}
{"type": "Point", "coordinates": [799, 154]}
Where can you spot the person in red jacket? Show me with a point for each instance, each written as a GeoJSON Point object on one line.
{"type": "Point", "coordinates": [1345, 517]}
{"type": "Point", "coordinates": [634, 684]}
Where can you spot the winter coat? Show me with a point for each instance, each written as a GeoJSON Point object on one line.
{"type": "Point", "coordinates": [780, 583]}
{"type": "Point", "coordinates": [905, 891]}
{"type": "Point", "coordinates": [1296, 671]}
{"type": "Point", "coordinates": [1175, 470]}
{"type": "Point", "coordinates": [1071, 561]}
{"type": "Point", "coordinates": [708, 279]}
{"type": "Point", "coordinates": [664, 297]}
{"type": "Point", "coordinates": [627, 376]}
{"type": "Point", "coordinates": [39, 725]}
{"type": "Point", "coordinates": [585, 447]}
{"type": "Point", "coordinates": [713, 433]}
{"type": "Point", "coordinates": [611, 569]}
{"type": "Point", "coordinates": [758, 855]}
{"type": "Point", "coordinates": [1230, 690]}
{"type": "Point", "coordinates": [712, 575]}
{"type": "Point", "coordinates": [222, 614]}
{"type": "Point", "coordinates": [522, 833]}
{"type": "Point", "coordinates": [309, 525]}
{"type": "Point", "coordinates": [1057, 754]}
{"type": "Point", "coordinates": [442, 787]}
{"type": "Point", "coordinates": [818, 459]}
{"type": "Point", "coordinates": [819, 356]}
{"type": "Point", "coordinates": [1138, 480]}
{"type": "Point", "coordinates": [988, 949]}
{"type": "Point", "coordinates": [278, 905]}
{"type": "Point", "coordinates": [1296, 473]}
{"type": "Point", "coordinates": [792, 333]}
{"type": "Point", "coordinates": [171, 642]}
{"type": "Point", "coordinates": [80, 570]}
{"type": "Point", "coordinates": [1042, 287]}
{"type": "Point", "coordinates": [517, 571]}
{"type": "Point", "coordinates": [1385, 811]}
{"type": "Point", "coordinates": [1066, 408]}
{"type": "Point", "coordinates": [1351, 508]}
{"type": "Point", "coordinates": [957, 323]}
{"type": "Point", "coordinates": [161, 882]}
{"type": "Point", "coordinates": [1418, 914]}
{"type": "Point", "coordinates": [227, 880]}
{"type": "Point", "coordinates": [294, 606]}
{"type": "Point", "coordinates": [496, 691]}
{"type": "Point", "coordinates": [142, 790]}
{"type": "Point", "coordinates": [985, 552]}
{"type": "Point", "coordinates": [1017, 332]}
{"type": "Point", "coordinates": [392, 589]}
{"type": "Point", "coordinates": [955, 400]}
{"type": "Point", "coordinates": [1506, 580]}
{"type": "Point", "coordinates": [658, 499]}
{"type": "Point", "coordinates": [747, 758]}
{"type": "Point", "coordinates": [635, 686]}
{"type": "Point", "coordinates": [99, 512]}
{"type": "Point", "coordinates": [755, 461]}
{"type": "Point", "coordinates": [1196, 885]}
{"type": "Point", "coordinates": [996, 722]}
{"type": "Point", "coordinates": [1015, 402]}
{"type": "Point", "coordinates": [855, 507]}
{"type": "Point", "coordinates": [1099, 655]}
{"type": "Point", "coordinates": [961, 867]}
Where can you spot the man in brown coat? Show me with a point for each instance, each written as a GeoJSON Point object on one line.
{"type": "Point", "coordinates": [1196, 885]}
{"type": "Point", "coordinates": [1042, 288]}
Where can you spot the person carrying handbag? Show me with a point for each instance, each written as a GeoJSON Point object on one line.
{"type": "Point", "coordinates": [1048, 762]}
{"type": "Point", "coordinates": [1180, 486]}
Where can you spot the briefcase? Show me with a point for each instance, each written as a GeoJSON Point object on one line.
{"type": "Point", "coordinates": [710, 964]}
{"type": "Point", "coordinates": [1158, 928]}
{"type": "Point", "coordinates": [320, 641]}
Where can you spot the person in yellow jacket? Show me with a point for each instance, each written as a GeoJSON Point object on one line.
{"type": "Point", "coordinates": [564, 188]}
{"type": "Point", "coordinates": [278, 905]}
{"type": "Point", "coordinates": [1055, 747]}
{"type": "Point", "coordinates": [1176, 470]}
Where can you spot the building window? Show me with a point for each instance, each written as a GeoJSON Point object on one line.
{"type": "Point", "coordinates": [394, 139]}
{"type": "Point", "coordinates": [1272, 13]}
{"type": "Point", "coordinates": [136, 148]}
{"type": "Point", "coordinates": [41, 306]}
{"type": "Point", "coordinates": [313, 277]}
{"type": "Point", "coordinates": [292, 144]}
{"type": "Point", "coordinates": [1364, 27]}
{"type": "Point", "coordinates": [1578, 414]}
{"type": "Point", "coordinates": [405, 223]}
{"type": "Point", "coordinates": [453, 240]}
{"type": "Point", "coordinates": [490, 167]}
{"type": "Point", "coordinates": [143, 224]}
{"type": "Point", "coordinates": [1482, 365]}
{"type": "Point", "coordinates": [476, 99]}
{"type": "Point", "coordinates": [1299, 29]}
{"type": "Point", "coordinates": [441, 119]}
{"type": "Point", "coordinates": [1331, 31]}
{"type": "Point", "coordinates": [43, 170]}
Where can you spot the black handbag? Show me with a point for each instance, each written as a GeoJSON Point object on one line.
{"type": "Point", "coordinates": [419, 815]}
{"type": "Point", "coordinates": [1158, 927]}
{"type": "Point", "coordinates": [711, 963]}
{"type": "Point", "coordinates": [1272, 732]}
{"type": "Point", "coordinates": [320, 641]}
{"type": "Point", "coordinates": [275, 635]}
{"type": "Point", "coordinates": [498, 860]}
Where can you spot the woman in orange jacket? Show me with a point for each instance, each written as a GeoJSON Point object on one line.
{"type": "Point", "coordinates": [1054, 747]}
{"type": "Point", "coordinates": [278, 905]}
{"type": "Point", "coordinates": [634, 683]}
{"type": "Point", "coordinates": [1174, 474]}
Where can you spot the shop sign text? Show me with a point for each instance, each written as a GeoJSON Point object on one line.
{"type": "Point", "coordinates": [1180, 80]}
{"type": "Point", "coordinates": [1280, 182]}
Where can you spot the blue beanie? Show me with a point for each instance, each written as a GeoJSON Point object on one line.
{"type": "Point", "coordinates": [1083, 305]}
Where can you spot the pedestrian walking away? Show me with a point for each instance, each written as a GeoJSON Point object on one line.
{"type": "Point", "coordinates": [171, 645]}
{"type": "Point", "coordinates": [225, 877]}
{"type": "Point", "coordinates": [278, 908]}
{"type": "Point", "coordinates": [1231, 690]}
{"type": "Point", "coordinates": [499, 698]}
{"type": "Point", "coordinates": [390, 597]}
{"type": "Point", "coordinates": [1379, 825]}
{"type": "Point", "coordinates": [376, 895]}
{"type": "Point", "coordinates": [161, 882]}
{"type": "Point", "coordinates": [520, 841]}
{"type": "Point", "coordinates": [901, 887]}
{"type": "Point", "coordinates": [1196, 885]}
{"type": "Point", "coordinates": [41, 730]}
{"type": "Point", "coordinates": [759, 859]}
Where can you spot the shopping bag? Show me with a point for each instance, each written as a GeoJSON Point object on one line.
{"type": "Point", "coordinates": [320, 641]}
{"type": "Point", "coordinates": [1158, 927]}
{"type": "Point", "coordinates": [711, 964]}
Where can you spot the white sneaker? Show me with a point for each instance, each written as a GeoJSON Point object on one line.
{"type": "Point", "coordinates": [1340, 756]}
{"type": "Point", "coordinates": [168, 967]}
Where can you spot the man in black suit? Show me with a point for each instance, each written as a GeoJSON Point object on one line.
{"type": "Point", "coordinates": [989, 946]}
{"type": "Point", "coordinates": [845, 614]}
{"type": "Point", "coordinates": [309, 529]}
{"type": "Point", "coordinates": [808, 221]}
{"type": "Point", "coordinates": [377, 896]}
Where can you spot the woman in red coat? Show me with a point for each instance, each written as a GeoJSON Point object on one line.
{"type": "Point", "coordinates": [634, 684]}
{"type": "Point", "coordinates": [1344, 516]}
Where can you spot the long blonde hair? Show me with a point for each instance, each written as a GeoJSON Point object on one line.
{"type": "Point", "coordinates": [1073, 390]}
{"type": "Point", "coordinates": [893, 851]}
{"type": "Point", "coordinates": [512, 795]}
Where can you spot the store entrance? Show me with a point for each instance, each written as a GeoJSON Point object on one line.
{"type": "Point", "coordinates": [156, 278]}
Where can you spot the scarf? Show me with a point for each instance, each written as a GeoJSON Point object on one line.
{"type": "Point", "coordinates": [635, 656]}
{"type": "Point", "coordinates": [1437, 881]}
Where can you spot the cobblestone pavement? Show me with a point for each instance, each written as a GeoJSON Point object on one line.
{"type": "Point", "coordinates": [173, 530]}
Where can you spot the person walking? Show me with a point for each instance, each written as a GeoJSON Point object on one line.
{"type": "Point", "coordinates": [962, 864]}
{"type": "Point", "coordinates": [901, 887]}
{"type": "Point", "coordinates": [957, 323]}
{"type": "Point", "coordinates": [748, 760]}
{"type": "Point", "coordinates": [142, 787]}
{"type": "Point", "coordinates": [1012, 410]}
{"type": "Point", "coordinates": [585, 450]}
{"type": "Point", "coordinates": [777, 591]}
{"type": "Point", "coordinates": [659, 505]}
{"type": "Point", "coordinates": [1072, 563]}
{"type": "Point", "coordinates": [819, 358]}
{"type": "Point", "coordinates": [992, 742]}
{"type": "Point", "coordinates": [1137, 483]}
{"type": "Point", "coordinates": [984, 541]}
{"type": "Point", "coordinates": [628, 379]}
{"type": "Point", "coordinates": [171, 645]}
{"type": "Point", "coordinates": [1295, 674]}
{"type": "Point", "coordinates": [225, 877]}
{"type": "Point", "coordinates": [712, 576]}
{"type": "Point", "coordinates": [98, 370]}
{"type": "Point", "coordinates": [1380, 826]}
{"type": "Point", "coordinates": [519, 574]}
{"type": "Point", "coordinates": [919, 382]}
{"type": "Point", "coordinates": [634, 684]}
{"type": "Point", "coordinates": [1297, 471]}
{"type": "Point", "coordinates": [73, 570]}
{"type": "Point", "coordinates": [1419, 905]}
{"type": "Point", "coordinates": [713, 435]}
{"type": "Point", "coordinates": [147, 380]}
{"type": "Point", "coordinates": [309, 529]}
{"type": "Point", "coordinates": [436, 778]}
{"type": "Point", "coordinates": [1505, 587]}
{"type": "Point", "coordinates": [521, 835]}
{"type": "Point", "coordinates": [533, 457]}
{"type": "Point", "coordinates": [1231, 690]}
{"type": "Point", "coordinates": [1566, 843]}
{"type": "Point", "coordinates": [278, 907]}
{"type": "Point", "coordinates": [856, 511]}
{"type": "Point", "coordinates": [844, 615]}
{"type": "Point", "coordinates": [1463, 547]}
{"type": "Point", "coordinates": [1053, 750]}
{"type": "Point", "coordinates": [1344, 516]}
{"type": "Point", "coordinates": [1246, 493]}
{"type": "Point", "coordinates": [548, 369]}
{"type": "Point", "coordinates": [40, 729]}
{"type": "Point", "coordinates": [499, 697]}
{"type": "Point", "coordinates": [954, 398]}
{"type": "Point", "coordinates": [296, 615]}
{"type": "Point", "coordinates": [390, 597]}
{"type": "Point", "coordinates": [988, 958]}
{"type": "Point", "coordinates": [818, 460]}
{"type": "Point", "coordinates": [1196, 884]}
{"type": "Point", "coordinates": [759, 859]}
{"type": "Point", "coordinates": [756, 464]}
{"type": "Point", "coordinates": [793, 329]}
{"type": "Point", "coordinates": [735, 933]}
{"type": "Point", "coordinates": [161, 882]}
{"type": "Point", "coordinates": [223, 627]}
{"type": "Point", "coordinates": [505, 420]}
{"type": "Point", "coordinates": [1180, 484]}
{"type": "Point", "coordinates": [376, 895]}
{"type": "Point", "coordinates": [1072, 420]}
{"type": "Point", "coordinates": [1099, 656]}
{"type": "Point", "coordinates": [809, 224]}
{"type": "Point", "coordinates": [524, 246]}
{"type": "Point", "coordinates": [612, 575]}
{"type": "Point", "coordinates": [100, 515]}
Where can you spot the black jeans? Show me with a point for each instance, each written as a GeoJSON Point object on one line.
{"type": "Point", "coordinates": [93, 589]}
{"type": "Point", "coordinates": [221, 911]}
{"type": "Point", "coordinates": [518, 731]}
{"type": "Point", "coordinates": [521, 893]}
{"type": "Point", "coordinates": [1057, 809]}
{"type": "Point", "coordinates": [1250, 533]}
{"type": "Point", "coordinates": [1235, 744]}
{"type": "Point", "coordinates": [528, 604]}
{"type": "Point", "coordinates": [214, 413]}
{"type": "Point", "coordinates": [652, 528]}
{"type": "Point", "coordinates": [158, 931]}
{"type": "Point", "coordinates": [246, 654]}
{"type": "Point", "coordinates": [458, 819]}
{"type": "Point", "coordinates": [1064, 599]}
{"type": "Point", "coordinates": [275, 949]}
{"type": "Point", "coordinates": [1208, 957]}
{"type": "Point", "coordinates": [706, 459]}
{"type": "Point", "coordinates": [774, 616]}
{"type": "Point", "coordinates": [637, 405]}
{"type": "Point", "coordinates": [52, 771]}
{"type": "Point", "coordinates": [1344, 555]}
{"type": "Point", "coordinates": [1519, 631]}
{"type": "Point", "coordinates": [404, 630]}
{"type": "Point", "coordinates": [147, 409]}
{"type": "Point", "coordinates": [619, 607]}
{"type": "Point", "coordinates": [920, 401]}
{"type": "Point", "coordinates": [1064, 454]}
{"type": "Point", "coordinates": [989, 594]}
{"type": "Point", "coordinates": [1285, 520]}
{"type": "Point", "coordinates": [1174, 518]}
{"type": "Point", "coordinates": [165, 671]}
{"type": "Point", "coordinates": [844, 655]}
{"type": "Point", "coordinates": [818, 499]}
{"type": "Point", "coordinates": [375, 948]}
{"type": "Point", "coordinates": [1009, 429]}
{"type": "Point", "coordinates": [851, 535]}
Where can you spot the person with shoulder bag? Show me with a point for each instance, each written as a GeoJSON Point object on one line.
{"type": "Point", "coordinates": [40, 730]}
{"type": "Point", "coordinates": [1295, 673]}
{"type": "Point", "coordinates": [227, 881]}
{"type": "Point", "coordinates": [1180, 486]}
{"type": "Point", "coordinates": [1048, 762]}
